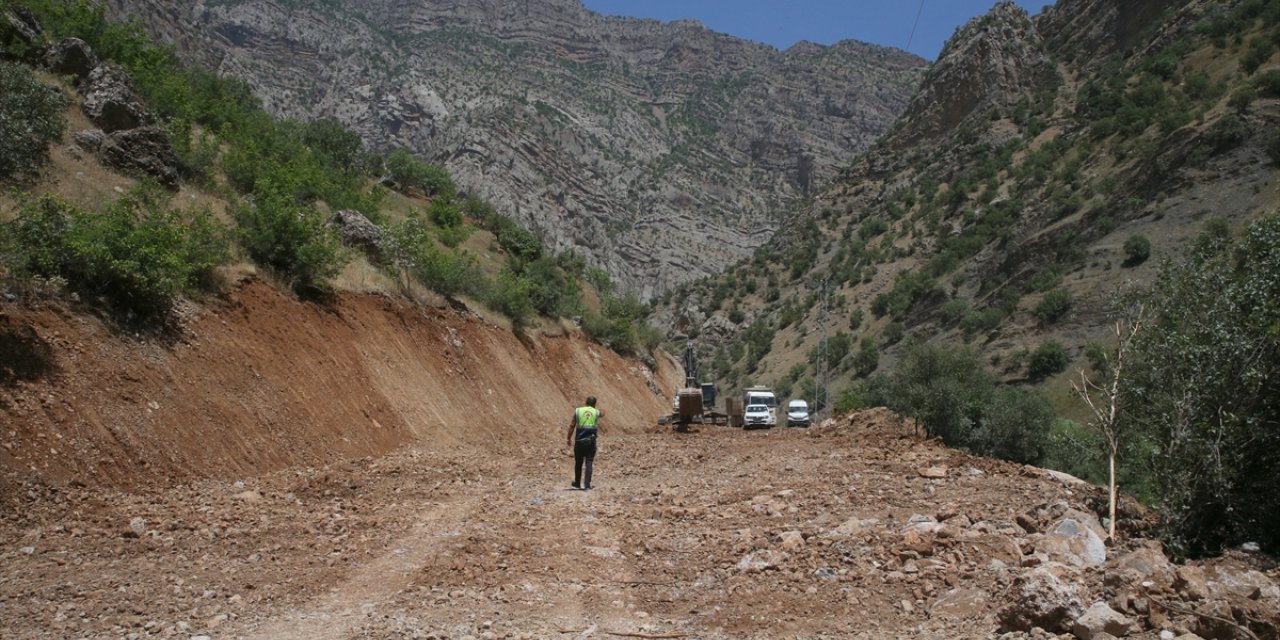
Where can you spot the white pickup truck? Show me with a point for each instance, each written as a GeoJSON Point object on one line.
{"type": "Point", "coordinates": [758, 415]}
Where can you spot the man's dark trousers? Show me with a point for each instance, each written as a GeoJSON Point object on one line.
{"type": "Point", "coordinates": [584, 449]}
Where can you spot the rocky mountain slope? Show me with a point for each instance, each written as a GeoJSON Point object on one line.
{"type": "Point", "coordinates": [662, 151]}
{"type": "Point", "coordinates": [1046, 163]}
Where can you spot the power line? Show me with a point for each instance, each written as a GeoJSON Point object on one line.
{"type": "Point", "coordinates": [919, 13]}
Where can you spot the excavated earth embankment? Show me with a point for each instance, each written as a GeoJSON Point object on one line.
{"type": "Point", "coordinates": [259, 381]}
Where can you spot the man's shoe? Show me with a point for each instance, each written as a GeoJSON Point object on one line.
{"type": "Point", "coordinates": [574, 485]}
{"type": "Point", "coordinates": [587, 488]}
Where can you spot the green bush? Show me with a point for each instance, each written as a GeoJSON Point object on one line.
{"type": "Point", "coordinates": [1203, 388]}
{"type": "Point", "coordinates": [444, 213]}
{"type": "Point", "coordinates": [453, 236]}
{"type": "Point", "coordinates": [509, 295]}
{"type": "Point", "coordinates": [955, 310]}
{"type": "Point", "coordinates": [850, 399]}
{"type": "Point", "coordinates": [553, 293]}
{"type": "Point", "coordinates": [412, 173]}
{"type": "Point", "coordinates": [31, 118]}
{"type": "Point", "coordinates": [289, 237]}
{"type": "Point", "coordinates": [134, 258]}
{"type": "Point", "coordinates": [1050, 358]}
{"type": "Point", "coordinates": [951, 393]}
{"type": "Point", "coordinates": [411, 249]}
{"type": "Point", "coordinates": [1014, 426]}
{"type": "Point", "coordinates": [1053, 306]}
{"type": "Point", "coordinates": [1136, 250]}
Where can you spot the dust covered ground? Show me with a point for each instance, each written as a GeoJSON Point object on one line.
{"type": "Point", "coordinates": [854, 529]}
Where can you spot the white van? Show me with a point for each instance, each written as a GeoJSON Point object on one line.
{"type": "Point", "coordinates": [797, 413]}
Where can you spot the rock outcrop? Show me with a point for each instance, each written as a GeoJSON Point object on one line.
{"type": "Point", "coordinates": [144, 152]}
{"type": "Point", "coordinates": [112, 101]}
{"type": "Point", "coordinates": [71, 56]}
{"type": "Point", "coordinates": [664, 152]}
{"type": "Point", "coordinates": [358, 232]}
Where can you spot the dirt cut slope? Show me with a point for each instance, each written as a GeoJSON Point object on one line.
{"type": "Point", "coordinates": [261, 382]}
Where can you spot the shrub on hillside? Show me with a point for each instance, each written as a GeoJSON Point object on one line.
{"type": "Point", "coordinates": [133, 258]}
{"type": "Point", "coordinates": [31, 118]}
{"type": "Point", "coordinates": [1203, 388]}
{"type": "Point", "coordinates": [509, 295]}
{"type": "Point", "coordinates": [411, 250]}
{"type": "Point", "coordinates": [1053, 306]}
{"type": "Point", "coordinates": [951, 393]}
{"type": "Point", "coordinates": [1050, 358]}
{"type": "Point", "coordinates": [1136, 250]}
{"type": "Point", "coordinates": [412, 173]}
{"type": "Point", "coordinates": [289, 237]}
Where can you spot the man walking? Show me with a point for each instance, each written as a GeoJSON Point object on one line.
{"type": "Point", "coordinates": [582, 437]}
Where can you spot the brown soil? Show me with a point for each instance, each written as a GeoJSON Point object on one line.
{"type": "Point", "coordinates": [372, 469]}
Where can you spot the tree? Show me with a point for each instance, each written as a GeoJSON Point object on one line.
{"type": "Point", "coordinates": [1104, 403]}
{"type": "Point", "coordinates": [1048, 359]}
{"type": "Point", "coordinates": [950, 392]}
{"type": "Point", "coordinates": [1203, 388]}
{"type": "Point", "coordinates": [30, 120]}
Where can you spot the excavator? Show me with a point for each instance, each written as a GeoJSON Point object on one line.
{"type": "Point", "coordinates": [695, 403]}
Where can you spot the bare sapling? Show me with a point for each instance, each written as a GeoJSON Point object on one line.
{"type": "Point", "coordinates": [1104, 402]}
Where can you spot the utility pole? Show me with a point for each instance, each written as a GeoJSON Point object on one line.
{"type": "Point", "coordinates": [821, 369]}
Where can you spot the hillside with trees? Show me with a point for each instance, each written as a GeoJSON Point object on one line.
{"type": "Point", "coordinates": [1053, 174]}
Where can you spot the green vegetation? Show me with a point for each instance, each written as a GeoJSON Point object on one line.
{"type": "Point", "coordinates": [30, 119]}
{"type": "Point", "coordinates": [1203, 391]}
{"type": "Point", "coordinates": [411, 173]}
{"type": "Point", "coordinates": [281, 177]}
{"type": "Point", "coordinates": [132, 259]}
{"type": "Point", "coordinates": [950, 392]}
{"type": "Point", "coordinates": [1053, 306]}
{"type": "Point", "coordinates": [1136, 250]}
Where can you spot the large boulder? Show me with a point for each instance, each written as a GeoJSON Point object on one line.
{"type": "Point", "coordinates": [1076, 539]}
{"type": "Point", "coordinates": [1101, 621]}
{"type": "Point", "coordinates": [358, 232]}
{"type": "Point", "coordinates": [1049, 597]}
{"type": "Point", "coordinates": [112, 101]}
{"type": "Point", "coordinates": [71, 56]}
{"type": "Point", "coordinates": [142, 153]}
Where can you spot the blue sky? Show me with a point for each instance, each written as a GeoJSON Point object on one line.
{"type": "Point", "coordinates": [782, 23]}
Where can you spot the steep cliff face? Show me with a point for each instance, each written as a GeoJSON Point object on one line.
{"type": "Point", "coordinates": [662, 151]}
{"type": "Point", "coordinates": [994, 61]}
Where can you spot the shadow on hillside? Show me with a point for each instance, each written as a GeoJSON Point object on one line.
{"type": "Point", "coordinates": [24, 356]}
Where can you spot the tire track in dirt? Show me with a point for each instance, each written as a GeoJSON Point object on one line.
{"type": "Point", "coordinates": [336, 615]}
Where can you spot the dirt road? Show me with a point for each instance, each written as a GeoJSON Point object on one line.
{"type": "Point", "coordinates": [717, 534]}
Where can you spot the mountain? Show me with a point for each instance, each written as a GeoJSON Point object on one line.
{"type": "Point", "coordinates": [1046, 163]}
{"type": "Point", "coordinates": [662, 151]}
